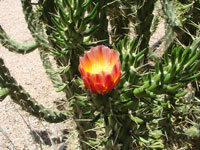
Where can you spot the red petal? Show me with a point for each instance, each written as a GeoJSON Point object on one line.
{"type": "Point", "coordinates": [118, 78]}
{"type": "Point", "coordinates": [99, 88]}
{"type": "Point", "coordinates": [98, 54]}
{"type": "Point", "coordinates": [87, 59]}
{"type": "Point", "coordinates": [91, 56]}
{"type": "Point", "coordinates": [114, 57]}
{"type": "Point", "coordinates": [99, 78]}
{"type": "Point", "coordinates": [92, 86]}
{"type": "Point", "coordinates": [106, 54]}
{"type": "Point", "coordinates": [81, 70]}
{"type": "Point", "coordinates": [81, 60]}
{"type": "Point", "coordinates": [116, 72]}
{"type": "Point", "coordinates": [109, 84]}
{"type": "Point", "coordinates": [87, 85]}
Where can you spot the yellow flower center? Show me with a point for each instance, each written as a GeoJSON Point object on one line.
{"type": "Point", "coordinates": [97, 68]}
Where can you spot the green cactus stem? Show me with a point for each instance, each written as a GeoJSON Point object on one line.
{"type": "Point", "coordinates": [118, 12]}
{"type": "Point", "coordinates": [168, 78]}
{"type": "Point", "coordinates": [54, 77]}
{"type": "Point", "coordinates": [34, 24]}
{"type": "Point", "coordinates": [143, 30]}
{"type": "Point", "coordinates": [115, 108]}
{"type": "Point", "coordinates": [21, 97]}
{"type": "Point", "coordinates": [183, 29]}
{"type": "Point", "coordinates": [102, 33]}
{"type": "Point", "coordinates": [66, 31]}
{"type": "Point", "coordinates": [14, 46]}
{"type": "Point", "coordinates": [4, 93]}
{"type": "Point", "coordinates": [192, 19]}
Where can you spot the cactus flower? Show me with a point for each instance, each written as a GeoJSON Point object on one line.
{"type": "Point", "coordinates": [100, 69]}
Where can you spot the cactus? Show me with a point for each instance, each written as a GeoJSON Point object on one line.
{"type": "Point", "coordinates": [149, 95]}
{"type": "Point", "coordinates": [21, 97]}
{"type": "Point", "coordinates": [185, 26]}
{"type": "Point", "coordinates": [14, 46]}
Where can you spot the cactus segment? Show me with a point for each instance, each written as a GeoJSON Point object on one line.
{"type": "Point", "coordinates": [55, 78]}
{"type": "Point", "coordinates": [14, 46]}
{"type": "Point", "coordinates": [33, 24]}
{"type": "Point", "coordinates": [131, 56]}
{"type": "Point", "coordinates": [182, 19]}
{"type": "Point", "coordinates": [144, 11]}
{"type": "Point", "coordinates": [192, 59]}
{"type": "Point", "coordinates": [191, 77]}
{"type": "Point", "coordinates": [172, 72]}
{"type": "Point", "coordinates": [21, 97]}
{"type": "Point", "coordinates": [68, 29]}
{"type": "Point", "coordinates": [3, 93]}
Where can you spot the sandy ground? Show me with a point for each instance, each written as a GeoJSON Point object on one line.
{"type": "Point", "coordinates": [16, 125]}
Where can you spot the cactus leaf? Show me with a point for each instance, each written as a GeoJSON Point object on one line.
{"type": "Point", "coordinates": [91, 15]}
{"type": "Point", "coordinates": [3, 93]}
{"type": "Point", "coordinates": [174, 88]}
{"type": "Point", "coordinates": [91, 30]}
{"type": "Point", "coordinates": [96, 118]}
{"type": "Point", "coordinates": [190, 78]}
{"type": "Point", "coordinates": [61, 88]}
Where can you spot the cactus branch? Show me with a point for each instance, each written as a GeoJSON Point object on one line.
{"type": "Point", "coordinates": [14, 46]}
{"type": "Point", "coordinates": [168, 78]}
{"type": "Point", "coordinates": [3, 93]}
{"type": "Point", "coordinates": [21, 97]}
{"type": "Point", "coordinates": [174, 24]}
{"type": "Point", "coordinates": [55, 78]}
{"type": "Point", "coordinates": [143, 30]}
{"type": "Point", "coordinates": [33, 24]}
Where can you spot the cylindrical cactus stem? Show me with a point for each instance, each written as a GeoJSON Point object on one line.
{"type": "Point", "coordinates": [33, 24]}
{"type": "Point", "coordinates": [80, 115]}
{"type": "Point", "coordinates": [84, 125]}
{"type": "Point", "coordinates": [68, 58]}
{"type": "Point", "coordinates": [118, 13]}
{"type": "Point", "coordinates": [191, 23]}
{"type": "Point", "coordinates": [54, 77]}
{"type": "Point", "coordinates": [174, 24]}
{"type": "Point", "coordinates": [14, 46]}
{"type": "Point", "coordinates": [21, 97]}
{"type": "Point", "coordinates": [118, 124]}
{"type": "Point", "coordinates": [4, 92]}
{"type": "Point", "coordinates": [143, 22]}
{"type": "Point", "coordinates": [119, 133]}
{"type": "Point", "coordinates": [102, 33]}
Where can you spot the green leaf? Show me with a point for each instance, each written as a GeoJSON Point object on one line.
{"type": "Point", "coordinates": [96, 118]}
{"type": "Point", "coordinates": [191, 78]}
{"type": "Point", "coordinates": [3, 93]}
{"type": "Point", "coordinates": [91, 30]}
{"type": "Point", "coordinates": [61, 88]}
{"type": "Point", "coordinates": [136, 119]}
{"type": "Point", "coordinates": [92, 14]}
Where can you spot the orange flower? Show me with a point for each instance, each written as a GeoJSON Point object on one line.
{"type": "Point", "coordinates": [100, 69]}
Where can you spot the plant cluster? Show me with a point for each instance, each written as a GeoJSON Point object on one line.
{"type": "Point", "coordinates": [138, 99]}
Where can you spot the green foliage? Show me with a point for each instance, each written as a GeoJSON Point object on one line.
{"type": "Point", "coordinates": [152, 106]}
